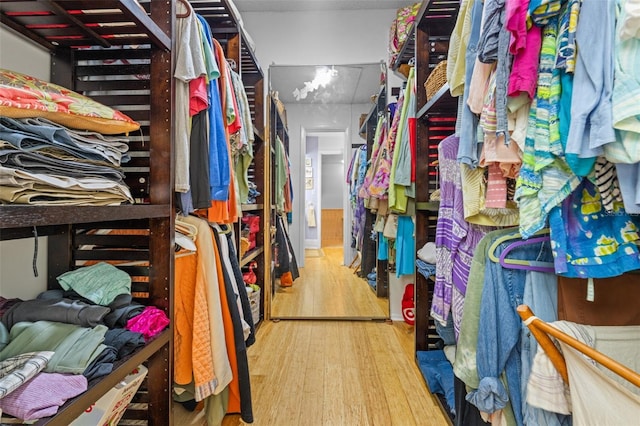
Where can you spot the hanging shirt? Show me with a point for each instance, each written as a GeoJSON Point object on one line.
{"type": "Point", "coordinates": [456, 238]}
{"type": "Point", "coordinates": [588, 241]}
{"type": "Point", "coordinates": [189, 65]}
{"type": "Point", "coordinates": [219, 174]}
{"type": "Point", "coordinates": [456, 55]}
{"type": "Point", "coordinates": [545, 178]}
{"type": "Point", "coordinates": [400, 177]}
{"type": "Point", "coordinates": [591, 110]}
{"type": "Point", "coordinates": [525, 47]}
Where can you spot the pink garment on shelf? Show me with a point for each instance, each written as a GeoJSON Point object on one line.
{"type": "Point", "coordinates": [43, 395]}
{"type": "Point", "coordinates": [150, 322]}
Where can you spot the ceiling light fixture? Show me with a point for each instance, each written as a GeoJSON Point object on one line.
{"type": "Point", "coordinates": [323, 77]}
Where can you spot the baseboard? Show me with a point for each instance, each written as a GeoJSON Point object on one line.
{"type": "Point", "coordinates": [312, 244]}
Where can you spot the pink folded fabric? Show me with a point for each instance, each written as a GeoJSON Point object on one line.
{"type": "Point", "coordinates": [150, 322]}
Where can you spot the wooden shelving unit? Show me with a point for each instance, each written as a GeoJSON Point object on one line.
{"type": "Point", "coordinates": [369, 251]}
{"type": "Point", "coordinates": [131, 52]}
{"type": "Point", "coordinates": [276, 129]}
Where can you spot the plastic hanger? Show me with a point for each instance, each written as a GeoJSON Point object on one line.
{"type": "Point", "coordinates": [529, 265]}
{"type": "Point", "coordinates": [223, 229]}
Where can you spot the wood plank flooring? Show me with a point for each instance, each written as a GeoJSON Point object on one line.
{"type": "Point", "coordinates": [327, 289]}
{"type": "Point", "coordinates": [332, 373]}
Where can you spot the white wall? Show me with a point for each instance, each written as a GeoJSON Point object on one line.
{"type": "Point", "coordinates": [16, 256]}
{"type": "Point", "coordinates": [321, 38]}
{"type": "Point", "coordinates": [332, 175]}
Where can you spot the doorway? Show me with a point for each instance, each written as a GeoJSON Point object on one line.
{"type": "Point", "coordinates": [324, 199]}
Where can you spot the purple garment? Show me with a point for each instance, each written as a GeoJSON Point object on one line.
{"type": "Point", "coordinates": [43, 395]}
{"type": "Point", "coordinates": [456, 239]}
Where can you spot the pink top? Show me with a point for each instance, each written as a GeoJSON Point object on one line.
{"type": "Point", "coordinates": [198, 99]}
{"type": "Point", "coordinates": [516, 24]}
{"type": "Point", "coordinates": [525, 47]}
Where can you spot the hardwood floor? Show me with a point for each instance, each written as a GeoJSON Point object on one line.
{"type": "Point", "coordinates": [328, 289]}
{"type": "Point", "coordinates": [333, 373]}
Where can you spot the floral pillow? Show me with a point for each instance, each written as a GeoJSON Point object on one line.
{"type": "Point", "coordinates": [24, 96]}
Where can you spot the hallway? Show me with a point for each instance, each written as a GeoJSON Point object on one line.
{"type": "Point", "coordinates": [327, 289]}
{"type": "Point", "coordinates": [333, 373]}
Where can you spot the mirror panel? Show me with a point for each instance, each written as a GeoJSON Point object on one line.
{"type": "Point", "coordinates": [324, 106]}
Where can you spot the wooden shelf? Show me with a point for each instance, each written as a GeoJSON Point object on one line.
{"type": "Point", "coordinates": [406, 54]}
{"type": "Point", "coordinates": [442, 101]}
{"type": "Point", "coordinates": [73, 408]}
{"type": "Point", "coordinates": [252, 207]}
{"type": "Point", "coordinates": [118, 52]}
{"type": "Point", "coordinates": [226, 25]}
{"type": "Point", "coordinates": [430, 206]}
{"type": "Point", "coordinates": [70, 24]}
{"type": "Point", "coordinates": [258, 133]}
{"type": "Point", "coordinates": [251, 255]}
{"type": "Point", "coordinates": [437, 17]}
{"type": "Point", "coordinates": [373, 111]}
{"type": "Point", "coordinates": [19, 216]}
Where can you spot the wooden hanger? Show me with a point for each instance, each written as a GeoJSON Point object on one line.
{"type": "Point", "coordinates": [187, 6]}
{"type": "Point", "coordinates": [516, 237]}
{"type": "Point", "coordinates": [541, 331]}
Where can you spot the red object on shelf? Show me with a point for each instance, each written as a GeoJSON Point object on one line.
{"type": "Point", "coordinates": [408, 304]}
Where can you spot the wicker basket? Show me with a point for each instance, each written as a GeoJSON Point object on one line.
{"type": "Point", "coordinates": [437, 78]}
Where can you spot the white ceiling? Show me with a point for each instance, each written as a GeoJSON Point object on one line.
{"type": "Point", "coordinates": [353, 84]}
{"type": "Point", "coordinates": [309, 5]}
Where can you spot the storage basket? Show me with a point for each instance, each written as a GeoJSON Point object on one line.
{"type": "Point", "coordinates": [254, 301]}
{"type": "Point", "coordinates": [437, 78]}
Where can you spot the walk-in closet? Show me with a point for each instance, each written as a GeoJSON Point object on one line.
{"type": "Point", "coordinates": [305, 212]}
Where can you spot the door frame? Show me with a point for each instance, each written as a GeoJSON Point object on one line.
{"type": "Point", "coordinates": [346, 156]}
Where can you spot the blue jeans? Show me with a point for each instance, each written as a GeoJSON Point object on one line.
{"type": "Point", "coordinates": [500, 331]}
{"type": "Point", "coordinates": [35, 162]}
{"type": "Point", "coordinates": [469, 148]}
{"type": "Point", "coordinates": [33, 134]}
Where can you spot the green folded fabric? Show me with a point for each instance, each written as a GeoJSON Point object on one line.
{"type": "Point", "coordinates": [75, 347]}
{"type": "Point", "coordinates": [100, 283]}
{"type": "Point", "coordinates": [4, 336]}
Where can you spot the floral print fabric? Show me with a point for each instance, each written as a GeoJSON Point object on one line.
{"type": "Point", "coordinates": [25, 96]}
